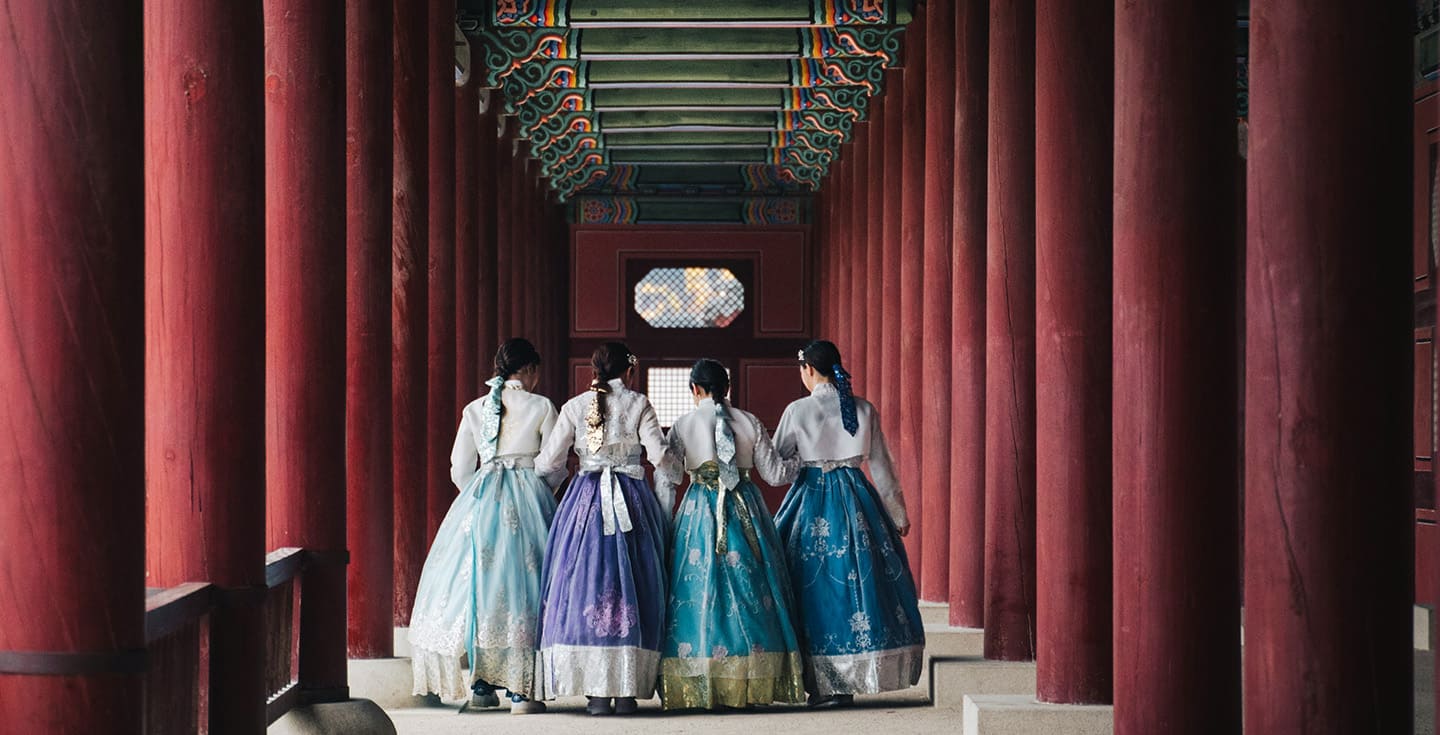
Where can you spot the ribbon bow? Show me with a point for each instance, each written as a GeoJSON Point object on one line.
{"type": "Point", "coordinates": [490, 420]}
{"type": "Point", "coordinates": [614, 511]}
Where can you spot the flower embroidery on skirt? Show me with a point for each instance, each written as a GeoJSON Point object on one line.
{"type": "Point", "coordinates": [610, 616]}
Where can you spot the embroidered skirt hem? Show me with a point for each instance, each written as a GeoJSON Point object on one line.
{"type": "Point", "coordinates": [596, 671]}
{"type": "Point", "coordinates": [733, 681]}
{"type": "Point", "coordinates": [867, 673]}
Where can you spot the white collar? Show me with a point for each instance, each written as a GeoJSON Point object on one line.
{"type": "Point", "coordinates": [513, 384]}
{"type": "Point", "coordinates": [616, 385]}
{"type": "Point", "coordinates": [823, 388]}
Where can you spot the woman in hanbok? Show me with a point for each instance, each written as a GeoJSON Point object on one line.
{"type": "Point", "coordinates": [860, 615]}
{"type": "Point", "coordinates": [730, 633]}
{"type": "Point", "coordinates": [479, 593]}
{"type": "Point", "coordinates": [603, 615]}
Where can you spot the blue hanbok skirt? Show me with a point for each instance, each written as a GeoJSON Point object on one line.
{"type": "Point", "coordinates": [731, 635]}
{"type": "Point", "coordinates": [479, 593]}
{"type": "Point", "coordinates": [603, 612]}
{"type": "Point", "coordinates": [860, 614]}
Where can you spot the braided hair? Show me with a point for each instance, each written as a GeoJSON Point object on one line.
{"type": "Point", "coordinates": [513, 356]}
{"type": "Point", "coordinates": [712, 377]}
{"type": "Point", "coordinates": [609, 361]}
{"type": "Point", "coordinates": [824, 356]}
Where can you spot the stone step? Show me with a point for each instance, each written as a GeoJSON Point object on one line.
{"type": "Point", "coordinates": [943, 641]}
{"type": "Point", "coordinates": [935, 613]}
{"type": "Point", "coordinates": [1020, 714]}
{"type": "Point", "coordinates": [953, 678]}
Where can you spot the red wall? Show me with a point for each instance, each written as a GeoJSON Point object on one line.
{"type": "Point", "coordinates": [773, 263]}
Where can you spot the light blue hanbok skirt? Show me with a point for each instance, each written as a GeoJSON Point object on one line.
{"type": "Point", "coordinates": [479, 594]}
{"type": "Point", "coordinates": [860, 614]}
{"type": "Point", "coordinates": [730, 633]}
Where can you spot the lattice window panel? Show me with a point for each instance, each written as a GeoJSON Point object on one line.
{"type": "Point", "coordinates": [689, 298]}
{"type": "Point", "coordinates": [669, 391]}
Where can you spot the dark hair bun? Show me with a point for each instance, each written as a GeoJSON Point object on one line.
{"type": "Point", "coordinates": [711, 376]}
{"type": "Point", "coordinates": [822, 355]}
{"type": "Point", "coordinates": [515, 355]}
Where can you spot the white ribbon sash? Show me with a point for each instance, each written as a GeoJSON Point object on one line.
{"type": "Point", "coordinates": [614, 511]}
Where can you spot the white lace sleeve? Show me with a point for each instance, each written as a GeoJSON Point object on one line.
{"type": "Point", "coordinates": [883, 473]}
{"type": "Point", "coordinates": [556, 445]}
{"type": "Point", "coordinates": [547, 427]}
{"type": "Point", "coordinates": [670, 469]}
{"type": "Point", "coordinates": [773, 468]}
{"type": "Point", "coordinates": [464, 456]}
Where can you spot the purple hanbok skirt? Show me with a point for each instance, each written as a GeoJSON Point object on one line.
{"type": "Point", "coordinates": [602, 618]}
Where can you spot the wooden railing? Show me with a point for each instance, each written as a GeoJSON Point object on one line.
{"type": "Point", "coordinates": [178, 629]}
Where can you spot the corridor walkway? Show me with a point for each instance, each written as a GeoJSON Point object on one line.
{"type": "Point", "coordinates": [896, 712]}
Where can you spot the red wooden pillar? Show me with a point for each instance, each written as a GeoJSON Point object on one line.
{"type": "Point", "coordinates": [467, 242]}
{"type": "Point", "coordinates": [820, 239]}
{"type": "Point", "coordinates": [872, 175]}
{"type": "Point", "coordinates": [1329, 524]}
{"type": "Point", "coordinates": [935, 424]}
{"type": "Point", "coordinates": [370, 519]}
{"type": "Point", "coordinates": [486, 166]}
{"type": "Point", "coordinates": [410, 299]}
{"type": "Point", "coordinates": [1175, 446]}
{"type": "Point", "coordinates": [71, 470]}
{"type": "Point", "coordinates": [504, 224]}
{"type": "Point", "coordinates": [867, 215]}
{"type": "Point", "coordinates": [967, 314]}
{"type": "Point", "coordinates": [204, 340]}
{"type": "Point", "coordinates": [1073, 150]}
{"type": "Point", "coordinates": [843, 335]}
{"type": "Point", "coordinates": [912, 287]}
{"type": "Point", "coordinates": [886, 168]}
{"type": "Point", "coordinates": [304, 302]}
{"type": "Point", "coordinates": [441, 416]}
{"type": "Point", "coordinates": [1010, 337]}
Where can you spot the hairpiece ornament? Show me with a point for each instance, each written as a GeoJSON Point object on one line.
{"type": "Point", "coordinates": [800, 354]}
{"type": "Point", "coordinates": [633, 360]}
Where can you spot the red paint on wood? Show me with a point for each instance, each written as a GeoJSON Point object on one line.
{"type": "Point", "coordinates": [890, 163]}
{"type": "Point", "coordinates": [859, 281]}
{"type": "Point", "coordinates": [72, 477]}
{"type": "Point", "coordinates": [440, 411]}
{"type": "Point", "coordinates": [935, 424]}
{"type": "Point", "coordinates": [1010, 337]}
{"type": "Point", "coordinates": [486, 298]}
{"type": "Point", "coordinates": [1074, 133]}
{"type": "Point", "coordinates": [410, 299]}
{"type": "Point", "coordinates": [870, 206]}
{"type": "Point", "coordinates": [370, 519]}
{"type": "Point", "coordinates": [912, 291]}
{"type": "Point", "coordinates": [967, 313]}
{"type": "Point", "coordinates": [1328, 521]}
{"type": "Point", "coordinates": [504, 223]}
{"type": "Point", "coordinates": [467, 244]}
{"type": "Point", "coordinates": [305, 304]}
{"type": "Point", "coordinates": [204, 338]}
{"type": "Point", "coordinates": [1175, 445]}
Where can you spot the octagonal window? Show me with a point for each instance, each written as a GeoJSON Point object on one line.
{"type": "Point", "coordinates": [689, 298]}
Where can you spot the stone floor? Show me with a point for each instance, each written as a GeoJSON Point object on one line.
{"type": "Point", "coordinates": [898, 712]}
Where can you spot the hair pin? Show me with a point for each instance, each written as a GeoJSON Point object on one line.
{"type": "Point", "coordinates": [633, 360]}
{"type": "Point", "coordinates": [800, 354]}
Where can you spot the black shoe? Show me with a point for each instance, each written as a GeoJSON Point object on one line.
{"type": "Point", "coordinates": [600, 706]}
{"type": "Point", "coordinates": [625, 706]}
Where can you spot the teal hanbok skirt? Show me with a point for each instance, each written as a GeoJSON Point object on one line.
{"type": "Point", "coordinates": [860, 615]}
{"type": "Point", "coordinates": [479, 593]}
{"type": "Point", "coordinates": [731, 636]}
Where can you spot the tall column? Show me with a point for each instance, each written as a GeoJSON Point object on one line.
{"type": "Point", "coordinates": [854, 356]}
{"type": "Point", "coordinates": [504, 223]}
{"type": "Point", "coordinates": [369, 504]}
{"type": "Point", "coordinates": [890, 163]}
{"type": "Point", "coordinates": [71, 279]}
{"type": "Point", "coordinates": [912, 288]}
{"type": "Point", "coordinates": [204, 339]}
{"type": "Point", "coordinates": [871, 167]}
{"type": "Point", "coordinates": [967, 314]}
{"type": "Point", "coordinates": [467, 243]}
{"type": "Point", "coordinates": [1329, 524]}
{"type": "Point", "coordinates": [935, 427]}
{"type": "Point", "coordinates": [304, 301]}
{"type": "Point", "coordinates": [1010, 337]}
{"type": "Point", "coordinates": [1175, 424]}
{"type": "Point", "coordinates": [441, 417]}
{"type": "Point", "coordinates": [1074, 136]}
{"type": "Point", "coordinates": [485, 164]}
{"type": "Point", "coordinates": [851, 221]}
{"type": "Point", "coordinates": [410, 299]}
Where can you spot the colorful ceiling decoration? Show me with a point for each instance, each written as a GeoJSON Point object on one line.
{"type": "Point", "coordinates": [696, 98]}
